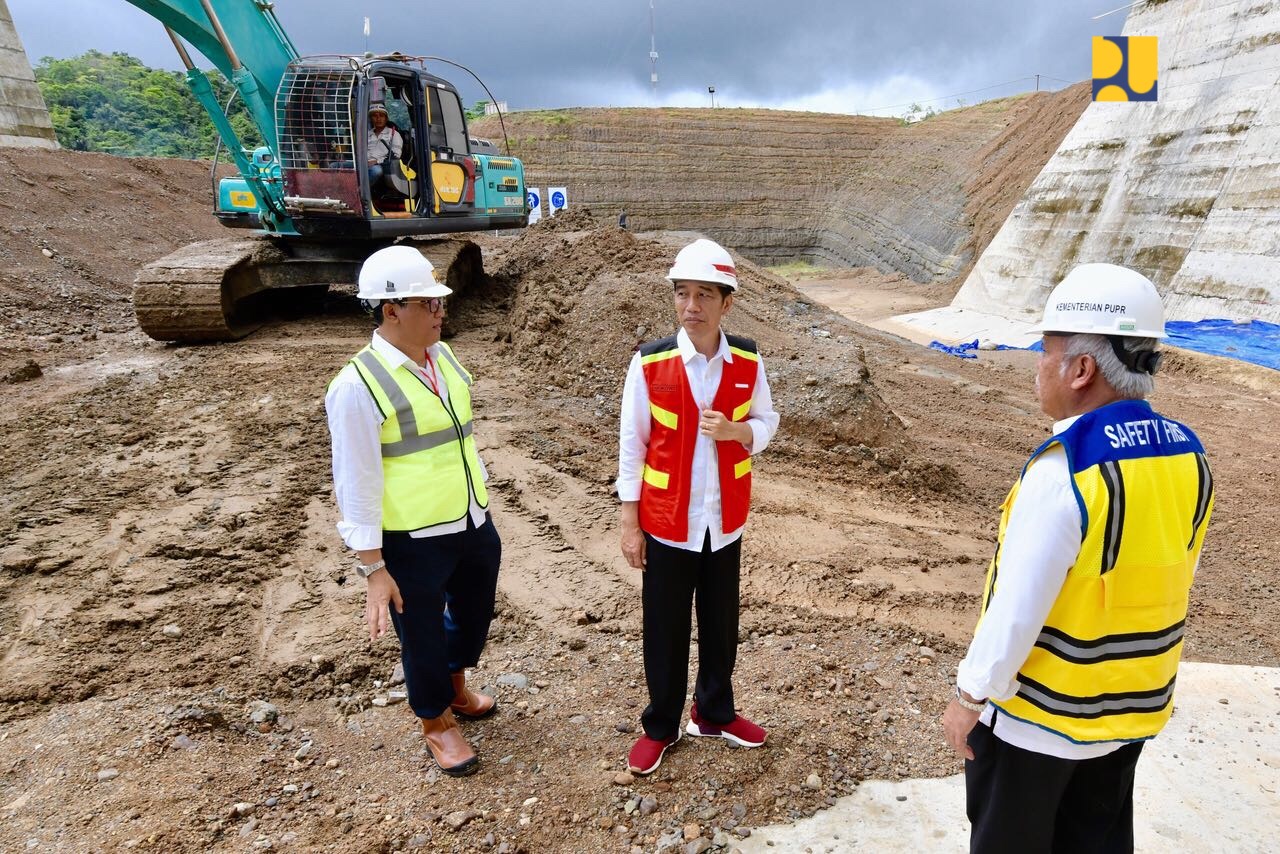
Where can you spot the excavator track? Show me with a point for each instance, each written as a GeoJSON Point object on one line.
{"type": "Point", "coordinates": [221, 290]}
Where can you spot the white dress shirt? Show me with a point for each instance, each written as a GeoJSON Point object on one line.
{"type": "Point", "coordinates": [384, 143]}
{"type": "Point", "coordinates": [355, 423]}
{"type": "Point", "coordinates": [704, 494]}
{"type": "Point", "coordinates": [1041, 543]}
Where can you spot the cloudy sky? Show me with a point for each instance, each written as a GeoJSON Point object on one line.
{"type": "Point", "coordinates": [851, 56]}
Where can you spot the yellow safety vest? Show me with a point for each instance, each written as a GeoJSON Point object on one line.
{"type": "Point", "coordinates": [429, 460]}
{"type": "Point", "coordinates": [1104, 665]}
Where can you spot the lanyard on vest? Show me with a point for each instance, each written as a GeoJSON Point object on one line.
{"type": "Point", "coordinates": [432, 378]}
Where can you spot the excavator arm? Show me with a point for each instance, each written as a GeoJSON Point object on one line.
{"type": "Point", "coordinates": [244, 40]}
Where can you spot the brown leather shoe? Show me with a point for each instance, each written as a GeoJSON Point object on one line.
{"type": "Point", "coordinates": [447, 745]}
{"type": "Point", "coordinates": [470, 704]}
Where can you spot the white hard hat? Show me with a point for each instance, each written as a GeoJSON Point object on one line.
{"type": "Point", "coordinates": [704, 261]}
{"type": "Point", "coordinates": [398, 272]}
{"type": "Point", "coordinates": [1104, 299]}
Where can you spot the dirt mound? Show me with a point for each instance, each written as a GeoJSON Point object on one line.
{"type": "Point", "coordinates": [577, 303]}
{"type": "Point", "coordinates": [78, 226]}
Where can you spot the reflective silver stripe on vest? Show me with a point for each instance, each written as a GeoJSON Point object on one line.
{"type": "Point", "coordinates": [404, 409]}
{"type": "Point", "coordinates": [1129, 648]}
{"type": "Point", "coordinates": [1093, 707]}
{"type": "Point", "coordinates": [1204, 493]}
{"type": "Point", "coordinates": [424, 442]}
{"type": "Point", "coordinates": [466, 377]}
{"type": "Point", "coordinates": [411, 440]}
{"type": "Point", "coordinates": [1113, 531]}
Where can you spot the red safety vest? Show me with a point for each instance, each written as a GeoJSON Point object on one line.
{"type": "Point", "coordinates": [674, 416]}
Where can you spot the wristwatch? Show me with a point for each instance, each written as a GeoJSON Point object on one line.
{"type": "Point", "coordinates": [366, 570]}
{"type": "Point", "coordinates": [965, 704]}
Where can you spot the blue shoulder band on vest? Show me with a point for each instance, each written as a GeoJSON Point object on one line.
{"type": "Point", "coordinates": [1123, 430]}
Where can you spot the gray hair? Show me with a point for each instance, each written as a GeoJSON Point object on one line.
{"type": "Point", "coordinates": [1131, 385]}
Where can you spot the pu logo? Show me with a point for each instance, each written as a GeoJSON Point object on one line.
{"type": "Point", "coordinates": [1124, 68]}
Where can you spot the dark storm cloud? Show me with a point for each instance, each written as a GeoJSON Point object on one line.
{"type": "Point", "coordinates": [803, 53]}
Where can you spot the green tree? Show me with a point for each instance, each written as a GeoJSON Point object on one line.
{"type": "Point", "coordinates": [114, 104]}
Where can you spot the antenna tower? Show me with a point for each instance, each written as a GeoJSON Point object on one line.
{"type": "Point", "coordinates": [653, 55]}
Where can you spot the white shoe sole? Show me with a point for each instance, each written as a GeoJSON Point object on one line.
{"type": "Point", "coordinates": [654, 767]}
{"type": "Point", "coordinates": [694, 729]}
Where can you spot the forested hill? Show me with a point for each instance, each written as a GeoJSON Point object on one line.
{"type": "Point", "coordinates": [114, 104]}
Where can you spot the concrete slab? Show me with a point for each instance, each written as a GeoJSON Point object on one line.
{"type": "Point", "coordinates": [953, 325]}
{"type": "Point", "coordinates": [1210, 782]}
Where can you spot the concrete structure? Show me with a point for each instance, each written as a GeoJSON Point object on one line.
{"type": "Point", "coordinates": [1208, 782]}
{"type": "Point", "coordinates": [1185, 189]}
{"type": "Point", "coordinates": [24, 119]}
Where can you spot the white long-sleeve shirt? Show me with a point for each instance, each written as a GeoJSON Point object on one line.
{"type": "Point", "coordinates": [704, 495]}
{"type": "Point", "coordinates": [383, 143]}
{"type": "Point", "coordinates": [355, 424]}
{"type": "Point", "coordinates": [1041, 543]}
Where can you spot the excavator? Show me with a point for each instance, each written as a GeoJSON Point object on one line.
{"type": "Point", "coordinates": [309, 211]}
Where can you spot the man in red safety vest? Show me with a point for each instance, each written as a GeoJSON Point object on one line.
{"type": "Point", "coordinates": [695, 408]}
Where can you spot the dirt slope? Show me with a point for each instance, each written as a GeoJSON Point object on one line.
{"type": "Point", "coordinates": [844, 191]}
{"type": "Point", "coordinates": [144, 486]}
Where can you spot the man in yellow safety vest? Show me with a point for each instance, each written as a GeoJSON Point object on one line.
{"type": "Point", "coordinates": [410, 487]}
{"type": "Point", "coordinates": [1073, 662]}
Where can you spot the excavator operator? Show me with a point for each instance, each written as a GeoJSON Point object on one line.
{"type": "Point", "coordinates": [385, 144]}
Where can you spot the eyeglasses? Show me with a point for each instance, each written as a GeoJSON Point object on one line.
{"type": "Point", "coordinates": [433, 305]}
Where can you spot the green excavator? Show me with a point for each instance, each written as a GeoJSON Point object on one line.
{"type": "Point", "coordinates": [313, 205]}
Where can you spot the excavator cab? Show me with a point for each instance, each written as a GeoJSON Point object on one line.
{"type": "Point", "coordinates": [436, 186]}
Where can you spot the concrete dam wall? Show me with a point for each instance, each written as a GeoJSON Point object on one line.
{"type": "Point", "coordinates": [24, 119]}
{"type": "Point", "coordinates": [1185, 189]}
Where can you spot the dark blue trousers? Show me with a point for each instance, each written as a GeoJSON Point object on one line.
{"type": "Point", "coordinates": [448, 584]}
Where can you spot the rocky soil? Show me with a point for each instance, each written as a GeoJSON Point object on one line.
{"type": "Point", "coordinates": [183, 665]}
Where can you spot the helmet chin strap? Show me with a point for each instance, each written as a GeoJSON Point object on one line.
{"type": "Point", "coordinates": [1141, 361]}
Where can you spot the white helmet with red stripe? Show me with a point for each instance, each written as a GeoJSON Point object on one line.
{"type": "Point", "coordinates": [704, 261]}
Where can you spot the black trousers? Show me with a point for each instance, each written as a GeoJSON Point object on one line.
{"type": "Point", "coordinates": [675, 580]}
{"type": "Point", "coordinates": [1026, 802]}
{"type": "Point", "coordinates": [448, 584]}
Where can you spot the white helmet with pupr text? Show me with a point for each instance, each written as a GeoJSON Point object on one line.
{"type": "Point", "coordinates": [1104, 299]}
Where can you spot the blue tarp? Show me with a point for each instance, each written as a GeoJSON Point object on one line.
{"type": "Point", "coordinates": [1253, 341]}
{"type": "Point", "coordinates": [966, 350]}
{"type": "Point", "coordinates": [1250, 341]}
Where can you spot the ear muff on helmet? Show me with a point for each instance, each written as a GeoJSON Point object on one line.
{"type": "Point", "coordinates": [1140, 361]}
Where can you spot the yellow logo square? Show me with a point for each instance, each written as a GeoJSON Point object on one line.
{"type": "Point", "coordinates": [1124, 68]}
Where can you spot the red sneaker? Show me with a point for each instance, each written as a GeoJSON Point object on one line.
{"type": "Point", "coordinates": [646, 754]}
{"type": "Point", "coordinates": [740, 731]}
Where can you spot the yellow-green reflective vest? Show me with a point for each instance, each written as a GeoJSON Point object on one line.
{"type": "Point", "coordinates": [428, 453]}
{"type": "Point", "coordinates": [1104, 665]}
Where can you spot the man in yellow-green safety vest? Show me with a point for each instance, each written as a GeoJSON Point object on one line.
{"type": "Point", "coordinates": [1073, 663]}
{"type": "Point", "coordinates": [411, 489]}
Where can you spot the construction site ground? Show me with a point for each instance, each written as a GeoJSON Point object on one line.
{"type": "Point", "coordinates": [169, 564]}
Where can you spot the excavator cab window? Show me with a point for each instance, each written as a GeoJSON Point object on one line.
{"type": "Point", "coordinates": [448, 127]}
